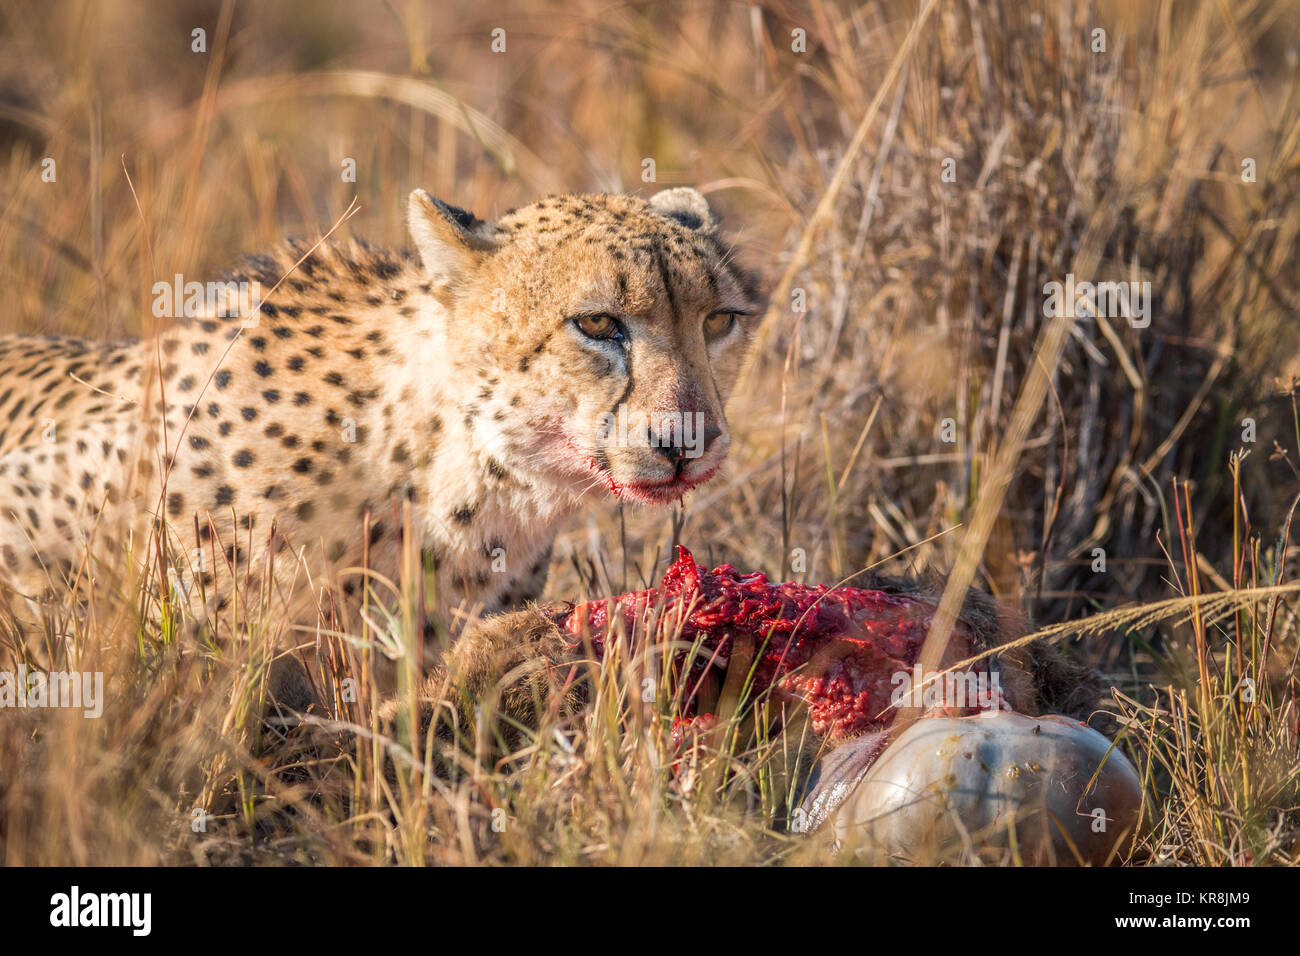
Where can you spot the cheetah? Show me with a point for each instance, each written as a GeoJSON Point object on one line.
{"type": "Point", "coordinates": [456, 404]}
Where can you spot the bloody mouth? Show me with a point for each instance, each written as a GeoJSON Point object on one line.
{"type": "Point", "coordinates": [663, 491]}
{"type": "Point", "coordinates": [648, 492]}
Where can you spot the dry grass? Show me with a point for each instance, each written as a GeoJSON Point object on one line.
{"type": "Point", "coordinates": [923, 304]}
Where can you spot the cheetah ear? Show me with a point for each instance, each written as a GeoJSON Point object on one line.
{"type": "Point", "coordinates": [687, 206]}
{"type": "Point", "coordinates": [451, 241]}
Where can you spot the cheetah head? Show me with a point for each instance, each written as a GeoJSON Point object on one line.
{"type": "Point", "coordinates": [594, 339]}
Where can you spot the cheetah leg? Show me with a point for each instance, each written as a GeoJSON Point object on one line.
{"type": "Point", "coordinates": [519, 667]}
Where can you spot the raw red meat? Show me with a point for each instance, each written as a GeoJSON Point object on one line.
{"type": "Point", "coordinates": [837, 650]}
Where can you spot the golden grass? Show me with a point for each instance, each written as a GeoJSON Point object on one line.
{"type": "Point", "coordinates": [923, 305]}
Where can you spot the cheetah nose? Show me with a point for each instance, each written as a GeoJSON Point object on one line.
{"type": "Point", "coordinates": [674, 453]}
{"type": "Point", "coordinates": [676, 450]}
{"type": "Point", "coordinates": [710, 433]}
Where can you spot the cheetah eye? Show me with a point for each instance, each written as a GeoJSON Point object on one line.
{"type": "Point", "coordinates": [719, 324]}
{"type": "Point", "coordinates": [596, 326]}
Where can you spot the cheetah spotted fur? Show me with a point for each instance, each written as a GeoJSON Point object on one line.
{"type": "Point", "coordinates": [376, 404]}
